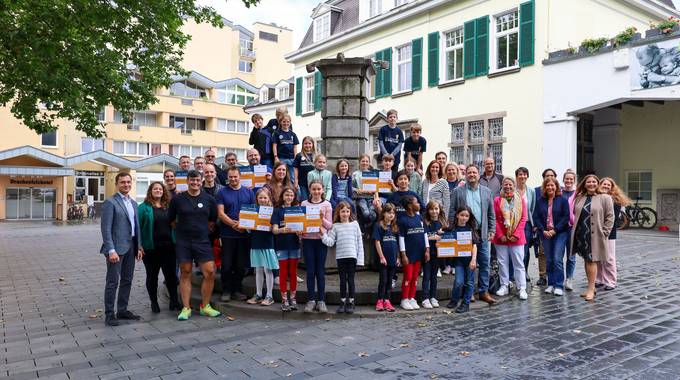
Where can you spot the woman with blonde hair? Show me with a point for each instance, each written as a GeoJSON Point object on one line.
{"type": "Point", "coordinates": [606, 270]}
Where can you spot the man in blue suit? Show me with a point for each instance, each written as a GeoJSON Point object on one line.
{"type": "Point", "coordinates": [121, 245]}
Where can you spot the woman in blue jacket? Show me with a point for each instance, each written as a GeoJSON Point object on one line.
{"type": "Point", "coordinates": [551, 218]}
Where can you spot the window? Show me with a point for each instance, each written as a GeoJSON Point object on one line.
{"type": "Point", "coordinates": [282, 93]}
{"type": "Point", "coordinates": [245, 66]}
{"type": "Point", "coordinates": [187, 89]}
{"type": "Point", "coordinates": [453, 48]}
{"type": "Point", "coordinates": [404, 68]}
{"type": "Point", "coordinates": [269, 36]}
{"type": "Point", "coordinates": [264, 95]}
{"type": "Point", "coordinates": [144, 118]}
{"type": "Point", "coordinates": [187, 124]}
{"type": "Point", "coordinates": [118, 117]}
{"type": "Point", "coordinates": [238, 126]}
{"type": "Point", "coordinates": [155, 149]}
{"type": "Point", "coordinates": [235, 94]}
{"type": "Point", "coordinates": [131, 148]}
{"type": "Point", "coordinates": [506, 33]}
{"type": "Point", "coordinates": [400, 2]}
{"type": "Point", "coordinates": [475, 138]}
{"type": "Point", "coordinates": [639, 184]}
{"type": "Point", "coordinates": [101, 115]}
{"type": "Point", "coordinates": [374, 8]}
{"type": "Point", "coordinates": [322, 27]}
{"type": "Point", "coordinates": [119, 147]}
{"type": "Point", "coordinates": [90, 145]}
{"type": "Point", "coordinates": [49, 139]}
{"type": "Point", "coordinates": [308, 91]}
{"type": "Point", "coordinates": [246, 47]}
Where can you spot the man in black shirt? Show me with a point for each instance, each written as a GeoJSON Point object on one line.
{"type": "Point", "coordinates": [193, 214]}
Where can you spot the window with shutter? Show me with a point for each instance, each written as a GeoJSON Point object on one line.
{"type": "Point", "coordinates": [298, 96]}
{"type": "Point", "coordinates": [526, 33]}
{"type": "Point", "coordinates": [433, 59]}
{"type": "Point", "coordinates": [469, 49]}
{"type": "Point", "coordinates": [317, 91]}
{"type": "Point", "coordinates": [387, 83]}
{"type": "Point", "coordinates": [417, 64]}
{"type": "Point", "coordinates": [379, 76]}
{"type": "Point", "coordinates": [482, 46]}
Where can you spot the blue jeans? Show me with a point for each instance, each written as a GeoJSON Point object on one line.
{"type": "Point", "coordinates": [571, 259]}
{"type": "Point", "coordinates": [304, 193]}
{"type": "Point", "coordinates": [553, 249]}
{"type": "Point", "coordinates": [430, 278]}
{"type": "Point", "coordinates": [464, 277]}
{"type": "Point", "coordinates": [483, 266]}
{"type": "Point", "coordinates": [289, 165]}
{"type": "Point", "coordinates": [267, 161]}
{"type": "Point", "coordinates": [314, 252]}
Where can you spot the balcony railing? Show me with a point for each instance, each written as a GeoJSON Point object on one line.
{"type": "Point", "coordinates": [247, 53]}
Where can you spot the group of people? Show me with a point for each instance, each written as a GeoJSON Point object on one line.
{"type": "Point", "coordinates": [174, 229]}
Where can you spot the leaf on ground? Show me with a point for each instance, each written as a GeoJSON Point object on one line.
{"type": "Point", "coordinates": [404, 345]}
{"type": "Point", "coordinates": [447, 311]}
{"type": "Point", "coordinates": [422, 324]}
{"type": "Point", "coordinates": [433, 376]}
{"type": "Point", "coordinates": [328, 319]}
{"type": "Point", "coordinates": [504, 367]}
{"type": "Point", "coordinates": [289, 374]}
{"type": "Point", "coordinates": [229, 317]}
{"type": "Point", "coordinates": [423, 360]}
{"type": "Point", "coordinates": [561, 354]}
{"type": "Point", "coordinates": [464, 353]}
{"type": "Point", "coordinates": [412, 366]}
{"type": "Point", "coordinates": [363, 354]}
{"type": "Point", "coordinates": [236, 351]}
{"type": "Point", "coordinates": [577, 331]}
{"type": "Point", "coordinates": [61, 279]}
{"type": "Point", "coordinates": [99, 311]}
{"type": "Point", "coordinates": [94, 316]}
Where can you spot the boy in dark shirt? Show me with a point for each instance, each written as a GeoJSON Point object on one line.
{"type": "Point", "coordinates": [391, 139]}
{"type": "Point", "coordinates": [261, 139]}
{"type": "Point", "coordinates": [415, 146]}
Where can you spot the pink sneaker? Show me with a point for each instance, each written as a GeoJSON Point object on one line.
{"type": "Point", "coordinates": [379, 306]}
{"type": "Point", "coordinates": [388, 306]}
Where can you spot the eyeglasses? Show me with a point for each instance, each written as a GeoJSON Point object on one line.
{"type": "Point", "coordinates": [209, 156]}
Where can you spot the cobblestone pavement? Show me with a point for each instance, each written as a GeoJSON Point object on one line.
{"type": "Point", "coordinates": [51, 291]}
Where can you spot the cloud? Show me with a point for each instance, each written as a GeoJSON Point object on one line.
{"type": "Point", "coordinates": [293, 14]}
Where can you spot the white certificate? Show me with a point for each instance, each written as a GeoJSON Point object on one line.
{"type": "Point", "coordinates": [246, 223]}
{"type": "Point", "coordinates": [260, 169]}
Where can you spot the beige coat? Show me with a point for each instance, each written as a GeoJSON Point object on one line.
{"type": "Point", "coordinates": [601, 223]}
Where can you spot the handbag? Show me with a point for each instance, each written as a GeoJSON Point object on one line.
{"type": "Point", "coordinates": [494, 277]}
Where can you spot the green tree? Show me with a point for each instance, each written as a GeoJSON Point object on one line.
{"type": "Point", "coordinates": [75, 56]}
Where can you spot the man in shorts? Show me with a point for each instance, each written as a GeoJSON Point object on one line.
{"type": "Point", "coordinates": [193, 214]}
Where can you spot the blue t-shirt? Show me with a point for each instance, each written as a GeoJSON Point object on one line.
{"type": "Point", "coordinates": [464, 260]}
{"type": "Point", "coordinates": [411, 229]}
{"type": "Point", "coordinates": [232, 200]}
{"type": "Point", "coordinates": [391, 138]}
{"type": "Point", "coordinates": [304, 165]}
{"type": "Point", "coordinates": [388, 243]}
{"type": "Point", "coordinates": [285, 142]}
{"type": "Point", "coordinates": [431, 230]}
{"type": "Point", "coordinates": [395, 199]}
{"type": "Point", "coordinates": [261, 240]}
{"type": "Point", "coordinates": [284, 242]}
{"type": "Point", "coordinates": [413, 148]}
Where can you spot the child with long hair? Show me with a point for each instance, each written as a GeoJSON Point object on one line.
{"type": "Point", "coordinates": [341, 184]}
{"type": "Point", "coordinates": [385, 234]}
{"type": "Point", "coordinates": [287, 246]}
{"type": "Point", "coordinates": [322, 175]}
{"type": "Point", "coordinates": [349, 252]}
{"type": "Point", "coordinates": [464, 280]}
{"type": "Point", "coordinates": [314, 251]}
{"type": "Point", "coordinates": [365, 209]}
{"type": "Point", "coordinates": [262, 256]}
{"type": "Point", "coordinates": [414, 248]}
{"type": "Point", "coordinates": [606, 270]}
{"type": "Point", "coordinates": [302, 165]}
{"type": "Point", "coordinates": [434, 221]}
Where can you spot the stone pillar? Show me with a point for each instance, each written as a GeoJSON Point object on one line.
{"type": "Point", "coordinates": [344, 109]}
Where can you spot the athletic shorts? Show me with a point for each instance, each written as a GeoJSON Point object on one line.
{"type": "Point", "coordinates": [198, 252]}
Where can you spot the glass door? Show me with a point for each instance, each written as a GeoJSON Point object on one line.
{"type": "Point", "coordinates": [30, 203]}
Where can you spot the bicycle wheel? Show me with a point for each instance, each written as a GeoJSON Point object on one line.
{"type": "Point", "coordinates": [623, 221]}
{"type": "Point", "coordinates": [646, 218]}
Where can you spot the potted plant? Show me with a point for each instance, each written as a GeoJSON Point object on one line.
{"type": "Point", "coordinates": [625, 36]}
{"type": "Point", "coordinates": [593, 45]}
{"type": "Point", "coordinates": [664, 27]}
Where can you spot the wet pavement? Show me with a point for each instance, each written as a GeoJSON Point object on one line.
{"type": "Point", "coordinates": [51, 292]}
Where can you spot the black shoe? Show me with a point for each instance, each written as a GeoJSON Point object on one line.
{"type": "Point", "coordinates": [542, 282]}
{"type": "Point", "coordinates": [111, 321]}
{"type": "Point", "coordinates": [608, 287]}
{"type": "Point", "coordinates": [127, 314]}
{"type": "Point", "coordinates": [154, 307]}
{"type": "Point", "coordinates": [238, 296]}
{"type": "Point", "coordinates": [341, 308]}
{"type": "Point", "coordinates": [452, 304]}
{"type": "Point", "coordinates": [463, 308]}
{"type": "Point", "coordinates": [174, 306]}
{"type": "Point", "coordinates": [349, 307]}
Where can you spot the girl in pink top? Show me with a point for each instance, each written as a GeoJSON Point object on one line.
{"type": "Point", "coordinates": [511, 216]}
{"type": "Point", "coordinates": [314, 251]}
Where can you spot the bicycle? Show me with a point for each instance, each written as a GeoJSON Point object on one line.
{"type": "Point", "coordinates": [74, 212]}
{"type": "Point", "coordinates": [643, 217]}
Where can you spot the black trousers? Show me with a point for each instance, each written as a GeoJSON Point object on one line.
{"type": "Point", "coordinates": [385, 281]}
{"type": "Point", "coordinates": [346, 269]}
{"type": "Point", "coordinates": [119, 279]}
{"type": "Point", "coordinates": [235, 256]}
{"type": "Point", "coordinates": [162, 257]}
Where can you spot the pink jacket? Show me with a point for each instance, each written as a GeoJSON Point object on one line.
{"type": "Point", "coordinates": [326, 221]}
{"type": "Point", "coordinates": [500, 227]}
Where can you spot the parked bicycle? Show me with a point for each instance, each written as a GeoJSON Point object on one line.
{"type": "Point", "coordinates": [643, 217]}
{"type": "Point", "coordinates": [75, 212]}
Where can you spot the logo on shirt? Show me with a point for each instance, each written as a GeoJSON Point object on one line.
{"type": "Point", "coordinates": [415, 230]}
{"type": "Point", "coordinates": [389, 238]}
{"type": "Point", "coordinates": [200, 205]}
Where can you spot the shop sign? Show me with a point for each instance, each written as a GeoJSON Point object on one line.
{"type": "Point", "coordinates": [88, 173]}
{"type": "Point", "coordinates": [32, 181]}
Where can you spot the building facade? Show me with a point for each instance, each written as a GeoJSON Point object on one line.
{"type": "Point", "coordinates": [201, 111]}
{"type": "Point", "coordinates": [469, 72]}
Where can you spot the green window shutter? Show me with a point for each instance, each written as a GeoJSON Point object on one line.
{"type": "Point", "coordinates": [318, 82]}
{"type": "Point", "coordinates": [378, 76]}
{"type": "Point", "coordinates": [526, 33]}
{"type": "Point", "coordinates": [387, 74]}
{"type": "Point", "coordinates": [482, 46]}
{"type": "Point", "coordinates": [298, 96]}
{"type": "Point", "coordinates": [469, 49]}
{"type": "Point", "coordinates": [433, 59]}
{"type": "Point", "coordinates": [417, 64]}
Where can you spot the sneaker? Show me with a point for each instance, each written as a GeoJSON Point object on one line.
{"type": "Point", "coordinates": [426, 304]}
{"type": "Point", "coordinates": [414, 304]}
{"type": "Point", "coordinates": [549, 289]}
{"type": "Point", "coordinates": [299, 279]}
{"type": "Point", "coordinates": [394, 284]}
{"type": "Point", "coordinates": [452, 305]}
{"type": "Point", "coordinates": [321, 306]}
{"type": "Point", "coordinates": [439, 273]}
{"type": "Point", "coordinates": [255, 300]}
{"type": "Point", "coordinates": [463, 308]}
{"type": "Point", "coordinates": [379, 306]}
{"type": "Point", "coordinates": [225, 297]}
{"type": "Point", "coordinates": [239, 296]}
{"type": "Point", "coordinates": [208, 311]}
{"type": "Point", "coordinates": [285, 306]}
{"type": "Point", "coordinates": [569, 284]}
{"type": "Point", "coordinates": [503, 291]}
{"type": "Point", "coordinates": [267, 301]}
{"type": "Point", "coordinates": [349, 307]}
{"type": "Point", "coordinates": [542, 281]}
{"type": "Point", "coordinates": [184, 314]}
{"type": "Point", "coordinates": [434, 303]}
{"type": "Point", "coordinates": [447, 270]}
{"type": "Point", "coordinates": [558, 292]}
{"type": "Point", "coordinates": [310, 306]}
{"type": "Point", "coordinates": [388, 306]}
{"type": "Point", "coordinates": [523, 294]}
{"type": "Point", "coordinates": [341, 308]}
{"type": "Point", "coordinates": [609, 287]}
{"type": "Point", "coordinates": [598, 285]}
{"type": "Point", "coordinates": [406, 304]}
{"type": "Point", "coordinates": [293, 304]}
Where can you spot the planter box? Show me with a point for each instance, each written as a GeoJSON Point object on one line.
{"type": "Point", "coordinates": [559, 54]}
{"type": "Point", "coordinates": [652, 33]}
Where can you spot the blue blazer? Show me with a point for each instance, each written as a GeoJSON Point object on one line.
{"type": "Point", "coordinates": [116, 229]}
{"type": "Point", "coordinates": [560, 213]}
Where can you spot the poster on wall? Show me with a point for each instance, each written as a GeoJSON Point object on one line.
{"type": "Point", "coordinates": [655, 65]}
